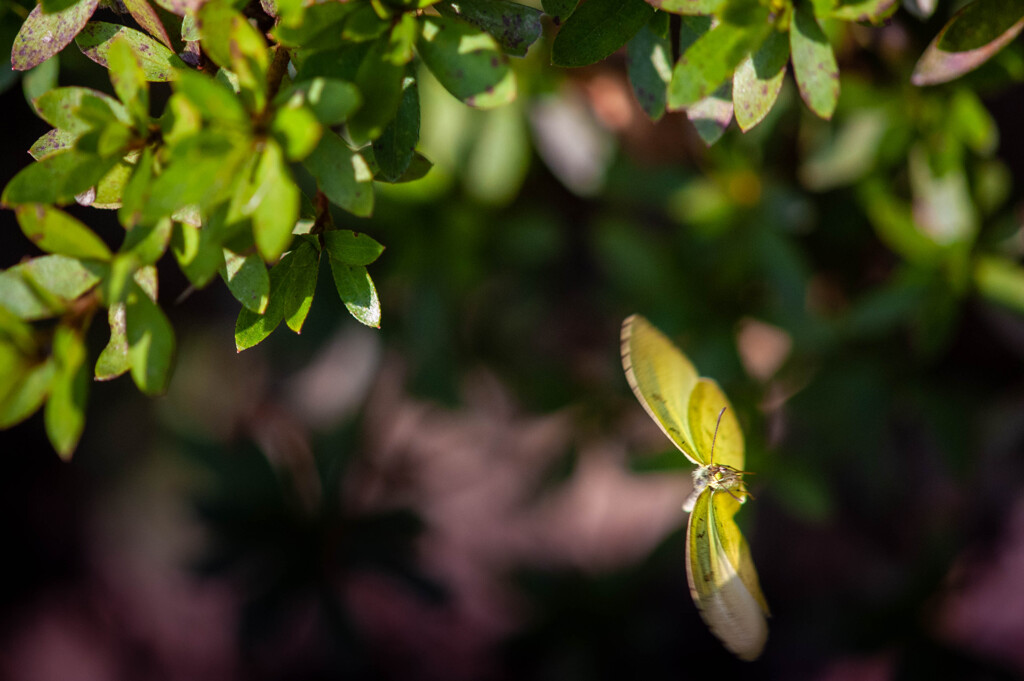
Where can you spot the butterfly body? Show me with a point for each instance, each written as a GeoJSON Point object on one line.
{"type": "Point", "coordinates": [696, 416]}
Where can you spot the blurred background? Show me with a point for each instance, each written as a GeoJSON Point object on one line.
{"type": "Point", "coordinates": [472, 492]}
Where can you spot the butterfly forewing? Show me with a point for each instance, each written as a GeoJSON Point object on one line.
{"type": "Point", "coordinates": [662, 379]}
{"type": "Point", "coordinates": [716, 557]}
{"type": "Point", "coordinates": [706, 402]}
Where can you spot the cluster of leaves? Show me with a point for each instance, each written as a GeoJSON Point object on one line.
{"type": "Point", "coordinates": [283, 114]}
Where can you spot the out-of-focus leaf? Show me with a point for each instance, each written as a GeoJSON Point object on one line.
{"type": "Point", "coordinates": [129, 81]}
{"type": "Point", "coordinates": [292, 284]}
{"type": "Point", "coordinates": [44, 35]}
{"type": "Point", "coordinates": [247, 279]}
{"type": "Point", "coordinates": [394, 149]}
{"type": "Point", "coordinates": [150, 343]}
{"type": "Point", "coordinates": [467, 61]}
{"type": "Point", "coordinates": [40, 79]}
{"type": "Point", "coordinates": [331, 100]}
{"type": "Point", "coordinates": [356, 289]}
{"type": "Point", "coordinates": [53, 142]}
{"type": "Point", "coordinates": [198, 255]}
{"type": "Point", "coordinates": [148, 242]}
{"type": "Point", "coordinates": [864, 10]}
{"type": "Point", "coordinates": [57, 178]}
{"type": "Point", "coordinates": [650, 65]}
{"type": "Point", "coordinates": [380, 83]}
{"type": "Point", "coordinates": [215, 101]}
{"type": "Point", "coordinates": [352, 248]}
{"type": "Point", "coordinates": [55, 231]}
{"type": "Point", "coordinates": [157, 61]}
{"type": "Point", "coordinates": [688, 7]}
{"type": "Point", "coordinates": [851, 153]}
{"type": "Point", "coordinates": [894, 224]}
{"type": "Point", "coordinates": [596, 29]}
{"type": "Point", "coordinates": [204, 171]}
{"type": "Point", "coordinates": [317, 27]}
{"type": "Point", "coordinates": [1001, 281]}
{"type": "Point", "coordinates": [972, 123]}
{"type": "Point", "coordinates": [64, 415]}
{"type": "Point", "coordinates": [297, 130]}
{"type": "Point", "coordinates": [231, 42]}
{"type": "Point", "coordinates": [758, 80]}
{"type": "Point", "coordinates": [712, 58]}
{"type": "Point", "coordinates": [277, 203]}
{"type": "Point", "coordinates": [814, 63]}
{"type": "Point", "coordinates": [342, 175]}
{"type": "Point", "coordinates": [41, 287]}
{"type": "Point", "coordinates": [712, 115]}
{"type": "Point", "coordinates": [514, 26]}
{"type": "Point", "coordinates": [943, 207]}
{"type": "Point", "coordinates": [969, 39]}
{"type": "Point", "coordinates": [28, 390]}
{"type": "Point", "coordinates": [113, 360]}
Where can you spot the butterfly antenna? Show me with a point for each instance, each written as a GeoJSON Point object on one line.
{"type": "Point", "coordinates": [715, 436]}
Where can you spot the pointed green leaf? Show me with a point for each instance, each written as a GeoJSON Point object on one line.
{"type": "Point", "coordinates": [712, 115]}
{"type": "Point", "coordinates": [650, 65]}
{"type": "Point", "coordinates": [292, 284]}
{"type": "Point", "coordinates": [380, 83]}
{"type": "Point", "coordinates": [214, 99]}
{"type": "Point", "coordinates": [54, 231]}
{"type": "Point", "coordinates": [232, 43]}
{"type": "Point", "coordinates": [352, 248]}
{"type": "Point", "coordinates": [147, 18]}
{"type": "Point", "coordinates": [41, 287]}
{"type": "Point", "coordinates": [467, 61]}
{"type": "Point", "coordinates": [66, 108]}
{"type": "Point", "coordinates": [158, 62]}
{"type": "Point", "coordinates": [53, 142]}
{"type": "Point", "coordinates": [331, 100]}
{"type": "Point", "coordinates": [64, 415]}
{"type": "Point", "coordinates": [814, 63]}
{"type": "Point", "coordinates": [356, 289]}
{"type": "Point", "coordinates": [27, 394]}
{"type": "Point", "coordinates": [969, 39]}
{"type": "Point", "coordinates": [342, 175]}
{"type": "Point", "coordinates": [758, 80]}
{"type": "Point", "coordinates": [147, 243]}
{"type": "Point", "coordinates": [199, 256]}
{"type": "Point", "coordinates": [44, 35]}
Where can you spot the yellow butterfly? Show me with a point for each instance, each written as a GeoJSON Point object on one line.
{"type": "Point", "coordinates": [696, 415]}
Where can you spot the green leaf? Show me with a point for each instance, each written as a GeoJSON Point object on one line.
{"type": "Point", "coordinates": [292, 284]}
{"type": "Point", "coordinates": [514, 26]}
{"type": "Point", "coordinates": [44, 35]}
{"type": "Point", "coordinates": [1000, 280]}
{"type": "Point", "coordinates": [147, 243]}
{"type": "Point", "coordinates": [108, 191]}
{"type": "Point", "coordinates": [316, 27]}
{"type": "Point", "coordinates": [559, 10]}
{"type": "Point", "coordinates": [814, 63]}
{"type": "Point", "coordinates": [150, 343]}
{"type": "Point", "coordinates": [331, 100]}
{"type": "Point", "coordinates": [158, 62]}
{"type": "Point", "coordinates": [41, 287]}
{"type": "Point", "coordinates": [113, 360]}
{"type": "Point", "coordinates": [380, 83]}
{"type": "Point", "coordinates": [40, 79]}
{"type": "Point", "coordinates": [342, 175]}
{"type": "Point", "coordinates": [864, 10]}
{"type": "Point", "coordinates": [466, 61]}
{"type": "Point", "coordinates": [54, 231]}
{"type": "Point", "coordinates": [598, 28]}
{"type": "Point", "coordinates": [56, 179]}
{"type": "Point", "coordinates": [689, 7]}
{"type": "Point", "coordinates": [973, 36]}
{"type": "Point", "coordinates": [712, 58]}
{"type": "Point", "coordinates": [53, 142]}
{"type": "Point", "coordinates": [394, 149]}
{"type": "Point", "coordinates": [205, 170]}
{"type": "Point", "coordinates": [277, 203]}
{"type": "Point", "coordinates": [650, 65]}
{"type": "Point", "coordinates": [352, 248]}
{"type": "Point", "coordinates": [214, 99]}
{"type": "Point", "coordinates": [129, 81]}
{"type": "Point", "coordinates": [758, 80]}
{"type": "Point", "coordinates": [356, 289]}
{"type": "Point", "coordinates": [76, 110]}
{"type": "Point", "coordinates": [419, 166]}
{"type": "Point", "coordinates": [297, 129]}
{"type": "Point", "coordinates": [136, 190]}
{"type": "Point", "coordinates": [232, 43]}
{"type": "Point", "coordinates": [198, 253]}
{"type": "Point", "coordinates": [247, 279]}
{"type": "Point", "coordinates": [64, 415]}
{"type": "Point", "coordinates": [27, 393]}
{"type": "Point", "coordinates": [363, 24]}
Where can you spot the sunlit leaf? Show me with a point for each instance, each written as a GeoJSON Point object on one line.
{"type": "Point", "coordinates": [598, 28]}
{"type": "Point", "coordinates": [64, 415]}
{"type": "Point", "coordinates": [466, 61]}
{"type": "Point", "coordinates": [55, 231]}
{"type": "Point", "coordinates": [44, 35]}
{"type": "Point", "coordinates": [157, 61]}
{"type": "Point", "coordinates": [814, 63]}
{"type": "Point", "coordinates": [356, 289]}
